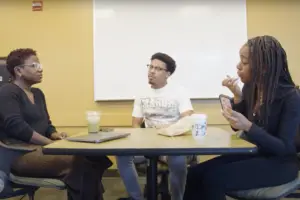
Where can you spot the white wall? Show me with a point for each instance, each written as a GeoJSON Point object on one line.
{"type": "Point", "coordinates": [203, 37]}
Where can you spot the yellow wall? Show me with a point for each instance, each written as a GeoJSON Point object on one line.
{"type": "Point", "coordinates": [62, 34]}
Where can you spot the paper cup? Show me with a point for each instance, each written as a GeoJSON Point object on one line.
{"type": "Point", "coordinates": [93, 120]}
{"type": "Point", "coordinates": [199, 126]}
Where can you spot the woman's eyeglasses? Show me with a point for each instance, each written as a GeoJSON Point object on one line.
{"type": "Point", "coordinates": [33, 65]}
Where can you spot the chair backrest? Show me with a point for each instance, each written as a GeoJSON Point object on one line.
{"type": "Point", "coordinates": [4, 74]}
{"type": "Point", "coordinates": [143, 125]}
{"type": "Point", "coordinates": [3, 180]}
{"type": "Point", "coordinates": [6, 158]}
{"type": "Point", "coordinates": [8, 153]}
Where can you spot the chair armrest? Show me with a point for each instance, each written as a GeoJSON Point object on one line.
{"type": "Point", "coordinates": [21, 147]}
{"type": "Point", "coordinates": [3, 181]}
{"type": "Point", "coordinates": [10, 150]}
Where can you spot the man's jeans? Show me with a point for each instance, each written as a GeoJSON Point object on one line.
{"type": "Point", "coordinates": [178, 171]}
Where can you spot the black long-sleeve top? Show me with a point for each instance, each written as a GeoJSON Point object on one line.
{"type": "Point", "coordinates": [19, 117]}
{"type": "Point", "coordinates": [278, 137]}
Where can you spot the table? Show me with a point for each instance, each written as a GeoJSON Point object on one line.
{"type": "Point", "coordinates": [146, 142]}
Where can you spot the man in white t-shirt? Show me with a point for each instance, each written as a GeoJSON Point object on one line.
{"type": "Point", "coordinates": [163, 105]}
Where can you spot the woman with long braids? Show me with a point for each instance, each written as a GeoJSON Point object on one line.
{"type": "Point", "coordinates": [267, 110]}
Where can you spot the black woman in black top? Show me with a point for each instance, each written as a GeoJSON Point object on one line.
{"type": "Point", "coordinates": [267, 110]}
{"type": "Point", "coordinates": [24, 118]}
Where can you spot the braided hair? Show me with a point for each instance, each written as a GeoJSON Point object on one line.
{"type": "Point", "coordinates": [268, 62]}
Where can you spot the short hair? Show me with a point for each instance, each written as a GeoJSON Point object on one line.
{"type": "Point", "coordinates": [269, 66]}
{"type": "Point", "coordinates": [168, 60]}
{"type": "Point", "coordinates": [18, 57]}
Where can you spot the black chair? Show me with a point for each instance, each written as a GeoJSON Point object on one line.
{"type": "Point", "coordinates": [288, 190]}
{"type": "Point", "coordinates": [4, 74]}
{"type": "Point", "coordinates": [162, 173]}
{"type": "Point", "coordinates": [12, 185]}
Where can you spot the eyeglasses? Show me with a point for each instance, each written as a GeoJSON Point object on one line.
{"type": "Point", "coordinates": [156, 68]}
{"type": "Point", "coordinates": [34, 65]}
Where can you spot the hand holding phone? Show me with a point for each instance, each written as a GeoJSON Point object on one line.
{"type": "Point", "coordinates": [225, 101]}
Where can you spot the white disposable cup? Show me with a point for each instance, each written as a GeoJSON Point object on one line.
{"type": "Point", "coordinates": [199, 126]}
{"type": "Point", "coordinates": [93, 120]}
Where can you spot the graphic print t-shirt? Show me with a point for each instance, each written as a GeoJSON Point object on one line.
{"type": "Point", "coordinates": [161, 107]}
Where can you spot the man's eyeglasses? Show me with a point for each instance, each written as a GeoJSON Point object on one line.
{"type": "Point", "coordinates": [33, 65]}
{"type": "Point", "coordinates": [156, 68]}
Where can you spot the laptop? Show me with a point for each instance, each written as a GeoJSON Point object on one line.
{"type": "Point", "coordinates": [98, 137]}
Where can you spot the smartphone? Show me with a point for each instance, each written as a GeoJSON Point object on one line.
{"type": "Point", "coordinates": [225, 101]}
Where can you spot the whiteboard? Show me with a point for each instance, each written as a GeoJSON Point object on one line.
{"type": "Point", "coordinates": [204, 38]}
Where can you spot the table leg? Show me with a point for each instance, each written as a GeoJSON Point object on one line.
{"type": "Point", "coordinates": [152, 178]}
